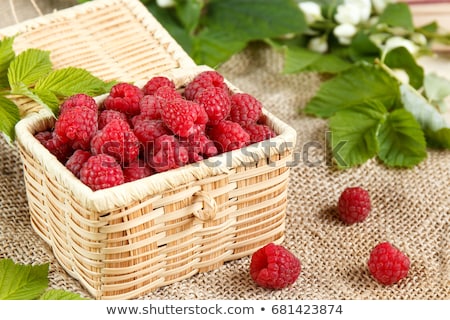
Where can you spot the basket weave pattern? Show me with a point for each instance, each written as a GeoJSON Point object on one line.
{"type": "Point", "coordinates": [128, 240]}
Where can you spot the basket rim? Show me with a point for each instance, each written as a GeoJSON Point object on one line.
{"type": "Point", "coordinates": [122, 195]}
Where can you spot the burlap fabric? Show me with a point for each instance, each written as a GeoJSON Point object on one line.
{"type": "Point", "coordinates": [411, 209]}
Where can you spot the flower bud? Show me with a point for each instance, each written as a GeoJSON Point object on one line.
{"type": "Point", "coordinates": [344, 33]}
{"type": "Point", "coordinates": [419, 39]}
{"type": "Point", "coordinates": [165, 3]}
{"type": "Point", "coordinates": [380, 5]}
{"type": "Point", "coordinates": [311, 10]}
{"type": "Point", "coordinates": [318, 44]}
{"type": "Point", "coordinates": [353, 12]}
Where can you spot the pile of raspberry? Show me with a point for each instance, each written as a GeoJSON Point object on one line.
{"type": "Point", "coordinates": [136, 132]}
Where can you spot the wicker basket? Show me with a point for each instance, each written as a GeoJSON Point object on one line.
{"type": "Point", "coordinates": [125, 241]}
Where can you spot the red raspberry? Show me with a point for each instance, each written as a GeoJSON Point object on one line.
{"type": "Point", "coordinates": [354, 205]}
{"type": "Point", "coordinates": [204, 80]}
{"type": "Point", "coordinates": [136, 170]}
{"type": "Point", "coordinates": [216, 102]}
{"type": "Point", "coordinates": [245, 109]}
{"type": "Point", "coordinates": [147, 131]}
{"type": "Point", "coordinates": [124, 97]}
{"type": "Point", "coordinates": [155, 83]}
{"type": "Point", "coordinates": [118, 140]}
{"type": "Point", "coordinates": [149, 108]}
{"type": "Point", "coordinates": [274, 267]}
{"type": "Point", "coordinates": [76, 161]}
{"type": "Point", "coordinates": [180, 115]}
{"type": "Point", "coordinates": [228, 136]}
{"type": "Point", "coordinates": [100, 172]}
{"type": "Point", "coordinates": [387, 264]}
{"type": "Point", "coordinates": [76, 126]}
{"type": "Point", "coordinates": [107, 116]}
{"type": "Point", "coordinates": [199, 147]}
{"type": "Point", "coordinates": [78, 100]}
{"type": "Point", "coordinates": [259, 132]}
{"type": "Point", "coordinates": [164, 94]}
{"type": "Point", "coordinates": [168, 154]}
{"type": "Point", "coordinates": [60, 150]}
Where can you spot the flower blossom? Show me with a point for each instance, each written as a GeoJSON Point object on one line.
{"type": "Point", "coordinates": [344, 33]}
{"type": "Point", "coordinates": [353, 12]}
{"type": "Point", "coordinates": [395, 42]}
{"type": "Point", "coordinates": [312, 11]}
{"type": "Point", "coordinates": [165, 3]}
{"type": "Point", "coordinates": [318, 44]}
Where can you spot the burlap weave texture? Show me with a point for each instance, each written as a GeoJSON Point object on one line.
{"type": "Point", "coordinates": [411, 209]}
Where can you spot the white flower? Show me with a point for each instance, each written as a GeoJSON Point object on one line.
{"type": "Point", "coordinates": [419, 39]}
{"type": "Point", "coordinates": [311, 10]}
{"type": "Point", "coordinates": [353, 12]}
{"type": "Point", "coordinates": [344, 33]}
{"type": "Point", "coordinates": [165, 3]}
{"type": "Point", "coordinates": [380, 5]}
{"type": "Point", "coordinates": [318, 44]}
{"type": "Point", "coordinates": [395, 42]}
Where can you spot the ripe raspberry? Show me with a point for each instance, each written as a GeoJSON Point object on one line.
{"type": "Point", "coordinates": [180, 115]}
{"type": "Point", "coordinates": [100, 172]}
{"type": "Point", "coordinates": [354, 205]}
{"type": "Point", "coordinates": [136, 170]}
{"type": "Point", "coordinates": [168, 154]}
{"type": "Point", "coordinates": [78, 100]}
{"type": "Point", "coordinates": [76, 126]}
{"type": "Point", "coordinates": [204, 80]}
{"type": "Point", "coordinates": [387, 264]}
{"type": "Point", "coordinates": [274, 267]}
{"type": "Point", "coordinates": [155, 83]}
{"type": "Point", "coordinates": [245, 109]}
{"type": "Point", "coordinates": [76, 161]}
{"type": "Point", "coordinates": [228, 136]}
{"type": "Point", "coordinates": [164, 94]}
{"type": "Point", "coordinates": [124, 97]}
{"type": "Point", "coordinates": [259, 132]}
{"type": "Point", "coordinates": [107, 116]}
{"type": "Point", "coordinates": [60, 150]}
{"type": "Point", "coordinates": [216, 102]}
{"type": "Point", "coordinates": [149, 108]}
{"type": "Point", "coordinates": [147, 131]}
{"type": "Point", "coordinates": [118, 140]}
{"type": "Point", "coordinates": [199, 147]}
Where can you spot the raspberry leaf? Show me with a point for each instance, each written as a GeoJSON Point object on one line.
{"type": "Point", "coordinates": [401, 140]}
{"type": "Point", "coordinates": [354, 86]}
{"type": "Point", "coordinates": [22, 282]}
{"type": "Point", "coordinates": [401, 58]}
{"type": "Point", "coordinates": [9, 113]}
{"type": "Point", "coordinates": [432, 122]}
{"type": "Point", "coordinates": [297, 59]}
{"type": "Point", "coordinates": [55, 294]}
{"type": "Point", "coordinates": [354, 133]}
{"type": "Point", "coordinates": [28, 67]}
{"type": "Point", "coordinates": [70, 81]}
{"type": "Point", "coordinates": [6, 56]}
{"type": "Point", "coordinates": [247, 19]}
{"type": "Point", "coordinates": [398, 15]}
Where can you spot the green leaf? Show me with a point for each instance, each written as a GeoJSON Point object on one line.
{"type": "Point", "coordinates": [362, 48]}
{"type": "Point", "coordinates": [401, 58]}
{"type": "Point", "coordinates": [354, 133]}
{"type": "Point", "coordinates": [6, 56]}
{"type": "Point", "coordinates": [22, 282]}
{"type": "Point", "coordinates": [9, 113]}
{"type": "Point", "coordinates": [250, 20]}
{"type": "Point", "coordinates": [398, 15]}
{"type": "Point", "coordinates": [402, 142]}
{"type": "Point", "coordinates": [172, 25]}
{"type": "Point", "coordinates": [22, 89]}
{"type": "Point", "coordinates": [432, 122]}
{"type": "Point", "coordinates": [436, 88]}
{"type": "Point", "coordinates": [189, 11]}
{"type": "Point", "coordinates": [354, 86]}
{"type": "Point", "coordinates": [298, 59]}
{"type": "Point", "coordinates": [56, 294]}
{"type": "Point", "coordinates": [69, 81]}
{"type": "Point", "coordinates": [28, 67]}
{"type": "Point", "coordinates": [212, 47]}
